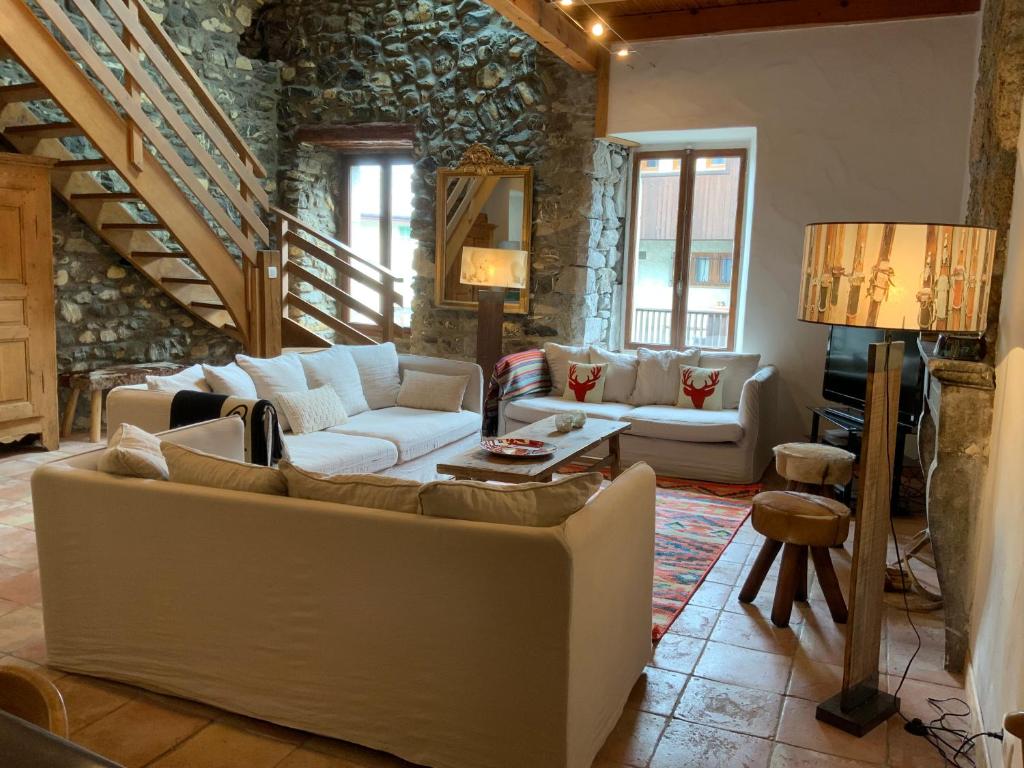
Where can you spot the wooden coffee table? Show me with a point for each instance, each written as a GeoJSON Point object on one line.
{"type": "Point", "coordinates": [478, 464]}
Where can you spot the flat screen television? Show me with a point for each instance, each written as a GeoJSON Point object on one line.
{"type": "Point", "coordinates": [846, 369]}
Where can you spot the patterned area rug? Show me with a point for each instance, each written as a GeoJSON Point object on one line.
{"type": "Point", "coordinates": [695, 522]}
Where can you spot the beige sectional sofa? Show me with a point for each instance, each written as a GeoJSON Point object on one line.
{"type": "Point", "coordinates": [393, 440]}
{"type": "Point", "coordinates": [449, 643]}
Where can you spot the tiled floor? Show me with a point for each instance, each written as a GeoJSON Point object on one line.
{"type": "Point", "coordinates": [725, 688]}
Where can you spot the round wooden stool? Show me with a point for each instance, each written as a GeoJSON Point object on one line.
{"type": "Point", "coordinates": [801, 522]}
{"type": "Point", "coordinates": [813, 467]}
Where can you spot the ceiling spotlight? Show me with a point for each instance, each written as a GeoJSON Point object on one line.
{"type": "Point", "coordinates": [565, 3]}
{"type": "Point", "coordinates": [597, 29]}
{"type": "Point", "coordinates": [622, 53]}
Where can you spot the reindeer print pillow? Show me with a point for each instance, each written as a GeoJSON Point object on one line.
{"type": "Point", "coordinates": [701, 388]}
{"type": "Point", "coordinates": [585, 383]}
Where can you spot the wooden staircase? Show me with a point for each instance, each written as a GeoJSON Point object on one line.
{"type": "Point", "coordinates": [187, 211]}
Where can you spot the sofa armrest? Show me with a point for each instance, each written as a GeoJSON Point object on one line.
{"type": "Point", "coordinates": [756, 391]}
{"type": "Point", "coordinates": [473, 400]}
{"type": "Point", "coordinates": [142, 407]}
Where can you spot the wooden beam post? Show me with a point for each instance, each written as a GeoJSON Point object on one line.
{"type": "Point", "coordinates": [552, 29]}
{"type": "Point", "coordinates": [601, 109]}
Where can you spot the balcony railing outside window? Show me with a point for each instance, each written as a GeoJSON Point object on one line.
{"type": "Point", "coordinates": [709, 329]}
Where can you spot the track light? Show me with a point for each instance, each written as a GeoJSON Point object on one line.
{"type": "Point", "coordinates": [597, 29]}
{"type": "Point", "coordinates": [565, 3]}
{"type": "Point", "coordinates": [622, 53]}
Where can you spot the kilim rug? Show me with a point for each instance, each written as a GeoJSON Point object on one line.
{"type": "Point", "coordinates": [695, 523]}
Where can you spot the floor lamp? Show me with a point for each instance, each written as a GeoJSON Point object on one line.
{"type": "Point", "coordinates": [923, 277]}
{"type": "Point", "coordinates": [493, 271]}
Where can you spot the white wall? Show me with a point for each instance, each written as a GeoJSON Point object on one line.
{"type": "Point", "coordinates": [997, 627]}
{"type": "Point", "coordinates": [862, 122]}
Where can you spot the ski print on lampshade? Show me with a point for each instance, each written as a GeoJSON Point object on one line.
{"type": "Point", "coordinates": [923, 277]}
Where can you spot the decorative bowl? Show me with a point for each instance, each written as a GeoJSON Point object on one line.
{"type": "Point", "coordinates": [517, 447]}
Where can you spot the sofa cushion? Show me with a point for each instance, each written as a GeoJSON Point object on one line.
{"type": "Point", "coordinates": [192, 467]}
{"type": "Point", "coordinates": [336, 367]}
{"type": "Point", "coordinates": [531, 409]}
{"type": "Point", "coordinates": [312, 410]}
{"type": "Point", "coordinates": [739, 367]}
{"type": "Point", "coordinates": [334, 454]}
{"type": "Point", "coordinates": [357, 490]}
{"type": "Point", "coordinates": [533, 504]}
{"type": "Point", "coordinates": [274, 375]}
{"type": "Point", "coordinates": [378, 373]}
{"type": "Point", "coordinates": [621, 375]}
{"type": "Point", "coordinates": [684, 424]}
{"type": "Point", "coordinates": [191, 378]}
{"type": "Point", "coordinates": [558, 357]}
{"type": "Point", "coordinates": [135, 453]}
{"type": "Point", "coordinates": [230, 380]}
{"type": "Point", "coordinates": [657, 378]}
{"type": "Point", "coordinates": [413, 431]}
{"type": "Point", "coordinates": [701, 388]}
{"type": "Point", "coordinates": [432, 391]}
{"type": "Point", "coordinates": [585, 382]}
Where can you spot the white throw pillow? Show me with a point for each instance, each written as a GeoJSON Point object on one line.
{"type": "Point", "coordinates": [312, 410]}
{"type": "Point", "coordinates": [187, 465]}
{"type": "Point", "coordinates": [432, 391]}
{"type": "Point", "coordinates": [229, 380]}
{"type": "Point", "coordinates": [701, 388]}
{"type": "Point", "coordinates": [584, 382]}
{"type": "Point", "coordinates": [190, 378]}
{"type": "Point", "coordinates": [620, 378]}
{"type": "Point", "coordinates": [336, 367]}
{"type": "Point", "coordinates": [533, 504]}
{"type": "Point", "coordinates": [558, 356]}
{"type": "Point", "coordinates": [739, 366]}
{"type": "Point", "coordinates": [275, 375]}
{"type": "Point", "coordinates": [657, 375]}
{"type": "Point", "coordinates": [373, 491]}
{"type": "Point", "coordinates": [135, 453]}
{"type": "Point", "coordinates": [378, 372]}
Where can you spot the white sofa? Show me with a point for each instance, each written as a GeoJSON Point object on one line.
{"type": "Point", "coordinates": [396, 441]}
{"type": "Point", "coordinates": [449, 643]}
{"type": "Point", "coordinates": [728, 446]}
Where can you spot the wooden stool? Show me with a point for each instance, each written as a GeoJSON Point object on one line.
{"type": "Point", "coordinates": [813, 467]}
{"type": "Point", "coordinates": [27, 694]}
{"type": "Point", "coordinates": [99, 381]}
{"type": "Point", "coordinates": [801, 522]}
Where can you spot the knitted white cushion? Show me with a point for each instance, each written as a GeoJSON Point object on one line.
{"type": "Point", "coordinates": [312, 410]}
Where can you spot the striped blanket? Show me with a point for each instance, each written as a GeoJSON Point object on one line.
{"type": "Point", "coordinates": [520, 374]}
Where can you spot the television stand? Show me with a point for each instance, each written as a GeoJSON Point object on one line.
{"type": "Point", "coordinates": [851, 426]}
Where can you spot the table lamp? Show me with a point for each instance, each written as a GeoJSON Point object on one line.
{"type": "Point", "coordinates": [494, 271]}
{"type": "Point", "coordinates": [924, 277]}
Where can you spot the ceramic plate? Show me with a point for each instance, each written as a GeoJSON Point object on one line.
{"type": "Point", "coordinates": [517, 447]}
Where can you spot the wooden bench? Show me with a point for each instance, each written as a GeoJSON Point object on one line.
{"type": "Point", "coordinates": [99, 381]}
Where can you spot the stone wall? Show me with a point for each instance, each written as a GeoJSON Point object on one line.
{"type": "Point", "coordinates": [107, 312]}
{"type": "Point", "coordinates": [994, 134]}
{"type": "Point", "coordinates": [460, 73]}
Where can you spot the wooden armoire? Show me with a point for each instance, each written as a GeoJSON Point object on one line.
{"type": "Point", "coordinates": [28, 342]}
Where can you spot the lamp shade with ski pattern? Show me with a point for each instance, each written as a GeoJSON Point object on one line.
{"type": "Point", "coordinates": [920, 277]}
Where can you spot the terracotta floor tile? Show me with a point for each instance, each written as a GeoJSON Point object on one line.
{"type": "Point", "coordinates": [306, 758]}
{"type": "Point", "coordinates": [677, 652]}
{"type": "Point", "coordinates": [731, 707]}
{"type": "Point", "coordinates": [633, 739]}
{"type": "Point", "coordinates": [688, 745]}
{"type": "Point", "coordinates": [657, 691]}
{"type": "Point", "coordinates": [87, 699]}
{"type": "Point", "coordinates": [6, 606]}
{"type": "Point", "coordinates": [695, 621]}
{"type": "Point", "coordinates": [744, 666]}
{"type": "Point", "coordinates": [357, 756]}
{"type": "Point", "coordinates": [20, 627]}
{"type": "Point", "coordinates": [814, 680]}
{"type": "Point", "coordinates": [761, 607]}
{"type": "Point", "coordinates": [724, 572]}
{"type": "Point", "coordinates": [754, 632]}
{"type": "Point", "coordinates": [736, 552]}
{"type": "Point", "coordinates": [711, 595]}
{"type": "Point", "coordinates": [822, 639]}
{"type": "Point", "coordinates": [909, 751]}
{"type": "Point", "coordinates": [48, 672]}
{"type": "Point", "coordinates": [138, 732]}
{"type": "Point", "coordinates": [22, 588]}
{"type": "Point", "coordinates": [219, 745]}
{"type": "Point", "coordinates": [786, 756]}
{"type": "Point", "coordinates": [799, 728]}
{"type": "Point", "coordinates": [263, 728]}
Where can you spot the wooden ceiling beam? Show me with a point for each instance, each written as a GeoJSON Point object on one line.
{"type": "Point", "coordinates": [553, 29]}
{"type": "Point", "coordinates": [360, 138]}
{"type": "Point", "coordinates": [781, 14]}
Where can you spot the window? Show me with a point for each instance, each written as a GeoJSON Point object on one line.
{"type": "Point", "coordinates": [374, 218]}
{"type": "Point", "coordinates": [685, 223]}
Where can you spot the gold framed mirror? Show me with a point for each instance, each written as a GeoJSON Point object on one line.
{"type": "Point", "coordinates": [483, 203]}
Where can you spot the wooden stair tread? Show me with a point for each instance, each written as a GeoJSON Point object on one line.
{"type": "Point", "coordinates": [10, 94]}
{"type": "Point", "coordinates": [145, 225]}
{"type": "Point", "coordinates": [90, 164]}
{"type": "Point", "coordinates": [107, 197]}
{"type": "Point", "coordinates": [159, 255]}
{"type": "Point", "coordinates": [55, 130]}
{"type": "Point", "coordinates": [185, 280]}
{"type": "Point", "coordinates": [205, 305]}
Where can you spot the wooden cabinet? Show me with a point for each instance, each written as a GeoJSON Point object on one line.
{"type": "Point", "coordinates": [28, 344]}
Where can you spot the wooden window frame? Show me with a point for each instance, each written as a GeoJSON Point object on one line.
{"type": "Point", "coordinates": [681, 272]}
{"type": "Point", "coordinates": [342, 212]}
